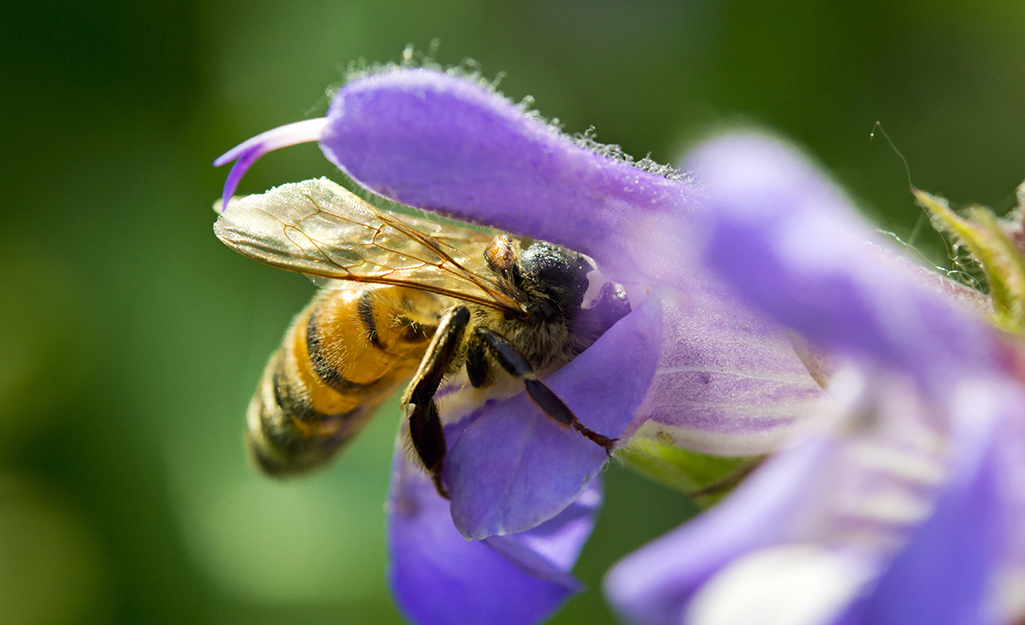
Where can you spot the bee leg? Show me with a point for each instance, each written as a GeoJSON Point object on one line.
{"type": "Point", "coordinates": [477, 364]}
{"type": "Point", "coordinates": [513, 361]}
{"type": "Point", "coordinates": [425, 427]}
{"type": "Point", "coordinates": [428, 437]}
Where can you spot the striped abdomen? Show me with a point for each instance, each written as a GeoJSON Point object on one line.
{"type": "Point", "coordinates": [343, 355]}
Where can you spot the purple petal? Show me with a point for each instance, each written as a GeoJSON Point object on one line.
{"type": "Point", "coordinates": [247, 152]}
{"type": "Point", "coordinates": [441, 142]}
{"type": "Point", "coordinates": [855, 493]}
{"type": "Point", "coordinates": [846, 504]}
{"type": "Point", "coordinates": [728, 381]}
{"type": "Point", "coordinates": [944, 573]}
{"type": "Point", "coordinates": [514, 467]}
{"type": "Point", "coordinates": [1011, 453]}
{"type": "Point", "coordinates": [439, 578]}
{"type": "Point", "coordinates": [654, 585]}
{"type": "Point", "coordinates": [550, 550]}
{"type": "Point", "coordinates": [791, 244]}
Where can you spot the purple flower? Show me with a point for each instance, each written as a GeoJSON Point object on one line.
{"type": "Point", "coordinates": [906, 504]}
{"type": "Point", "coordinates": [690, 365]}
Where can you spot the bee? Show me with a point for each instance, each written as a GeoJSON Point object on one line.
{"type": "Point", "coordinates": [402, 298]}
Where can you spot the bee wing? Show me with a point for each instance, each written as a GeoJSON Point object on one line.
{"type": "Point", "coordinates": [318, 228]}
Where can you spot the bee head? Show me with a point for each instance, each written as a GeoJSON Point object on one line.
{"type": "Point", "coordinates": [553, 276]}
{"type": "Point", "coordinates": [552, 272]}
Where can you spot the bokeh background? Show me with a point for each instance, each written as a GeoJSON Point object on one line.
{"type": "Point", "coordinates": [131, 339]}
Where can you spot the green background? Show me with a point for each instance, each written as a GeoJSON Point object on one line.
{"type": "Point", "coordinates": [131, 339]}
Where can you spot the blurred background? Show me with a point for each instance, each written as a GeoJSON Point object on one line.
{"type": "Point", "coordinates": [131, 339]}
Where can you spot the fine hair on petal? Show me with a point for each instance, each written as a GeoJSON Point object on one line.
{"type": "Point", "coordinates": [470, 70]}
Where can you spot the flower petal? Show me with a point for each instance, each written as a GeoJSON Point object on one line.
{"type": "Point", "coordinates": [247, 152]}
{"type": "Point", "coordinates": [653, 585]}
{"type": "Point", "coordinates": [514, 467]}
{"type": "Point", "coordinates": [790, 243]}
{"type": "Point", "coordinates": [445, 143]}
{"type": "Point", "coordinates": [1010, 591]}
{"type": "Point", "coordinates": [728, 381]}
{"type": "Point", "coordinates": [856, 490]}
{"type": "Point", "coordinates": [550, 550]}
{"type": "Point", "coordinates": [943, 575]}
{"type": "Point", "coordinates": [441, 142]}
{"type": "Point", "coordinates": [439, 578]}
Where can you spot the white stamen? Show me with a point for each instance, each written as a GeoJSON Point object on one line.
{"type": "Point", "coordinates": [595, 281]}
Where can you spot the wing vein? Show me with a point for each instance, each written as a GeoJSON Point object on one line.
{"type": "Point", "coordinates": [320, 229]}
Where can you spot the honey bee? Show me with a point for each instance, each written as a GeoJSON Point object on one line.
{"type": "Point", "coordinates": [402, 297]}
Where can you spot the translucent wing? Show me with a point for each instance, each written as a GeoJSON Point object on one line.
{"type": "Point", "coordinates": [318, 228]}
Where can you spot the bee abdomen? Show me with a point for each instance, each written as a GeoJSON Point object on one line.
{"type": "Point", "coordinates": [287, 434]}
{"type": "Point", "coordinates": [328, 373]}
{"type": "Point", "coordinates": [342, 357]}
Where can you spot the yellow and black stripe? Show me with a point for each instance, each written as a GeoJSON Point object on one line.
{"type": "Point", "coordinates": [343, 355]}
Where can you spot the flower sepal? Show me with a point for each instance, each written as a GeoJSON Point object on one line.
{"type": "Point", "coordinates": [702, 477]}
{"type": "Point", "coordinates": [990, 241]}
